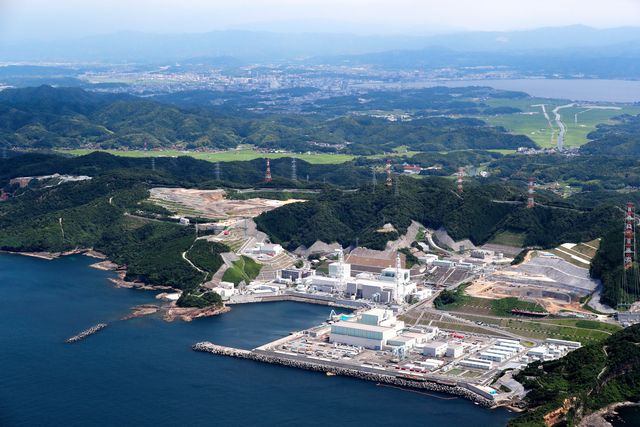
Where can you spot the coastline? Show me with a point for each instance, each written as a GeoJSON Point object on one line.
{"type": "Point", "coordinates": [597, 418]}
{"type": "Point", "coordinates": [49, 256]}
{"type": "Point", "coordinates": [187, 314]}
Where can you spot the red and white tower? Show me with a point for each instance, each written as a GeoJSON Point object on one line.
{"type": "Point", "coordinates": [389, 172]}
{"type": "Point", "coordinates": [629, 244]}
{"type": "Point", "coordinates": [460, 173]}
{"type": "Point", "coordinates": [268, 175]}
{"type": "Point", "coordinates": [530, 203]}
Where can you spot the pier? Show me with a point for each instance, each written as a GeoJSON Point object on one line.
{"type": "Point", "coordinates": [90, 331]}
{"type": "Point", "coordinates": [324, 366]}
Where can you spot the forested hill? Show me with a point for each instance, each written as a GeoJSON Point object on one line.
{"type": "Point", "coordinates": [186, 171]}
{"type": "Point", "coordinates": [48, 117]}
{"type": "Point", "coordinates": [582, 382]}
{"type": "Point", "coordinates": [91, 213]}
{"type": "Point", "coordinates": [621, 139]}
{"type": "Point", "coordinates": [345, 217]}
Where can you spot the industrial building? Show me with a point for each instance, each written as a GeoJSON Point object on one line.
{"type": "Point", "coordinates": [494, 357]}
{"type": "Point", "coordinates": [434, 349]}
{"type": "Point", "coordinates": [476, 363]}
{"type": "Point", "coordinates": [265, 249]}
{"type": "Point", "coordinates": [455, 350]}
{"type": "Point", "coordinates": [573, 344]}
{"type": "Point", "coordinates": [294, 274]}
{"type": "Point", "coordinates": [392, 285]}
{"type": "Point", "coordinates": [427, 259]}
{"type": "Point", "coordinates": [370, 330]}
{"type": "Point", "coordinates": [443, 263]}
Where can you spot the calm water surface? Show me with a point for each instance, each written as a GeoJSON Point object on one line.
{"type": "Point", "coordinates": [592, 90]}
{"type": "Point", "coordinates": [141, 372]}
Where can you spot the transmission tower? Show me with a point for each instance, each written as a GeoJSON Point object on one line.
{"type": "Point", "coordinates": [4, 153]}
{"type": "Point", "coordinates": [268, 175]}
{"type": "Point", "coordinates": [397, 190]}
{"type": "Point", "coordinates": [217, 171]}
{"type": "Point", "coordinates": [630, 285]}
{"type": "Point", "coordinates": [373, 179]}
{"type": "Point", "coordinates": [153, 163]}
{"type": "Point", "coordinates": [530, 203]}
{"type": "Point", "coordinates": [294, 176]}
{"type": "Point", "coordinates": [389, 183]}
{"type": "Point", "coordinates": [307, 177]}
{"type": "Point", "coordinates": [460, 179]}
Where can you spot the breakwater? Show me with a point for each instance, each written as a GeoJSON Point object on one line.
{"type": "Point", "coordinates": [459, 391]}
{"type": "Point", "coordinates": [84, 334]}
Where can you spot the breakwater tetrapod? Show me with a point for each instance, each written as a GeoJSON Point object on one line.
{"type": "Point", "coordinates": [83, 334]}
{"type": "Point", "coordinates": [380, 378]}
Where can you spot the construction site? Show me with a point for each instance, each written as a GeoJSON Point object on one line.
{"type": "Point", "coordinates": [552, 282]}
{"type": "Point", "coordinates": [211, 203]}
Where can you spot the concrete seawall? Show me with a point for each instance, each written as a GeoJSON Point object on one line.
{"type": "Point", "coordinates": [328, 301]}
{"type": "Point", "coordinates": [459, 391]}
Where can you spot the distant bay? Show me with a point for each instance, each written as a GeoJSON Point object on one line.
{"type": "Point", "coordinates": [589, 90]}
{"type": "Point", "coordinates": [142, 371]}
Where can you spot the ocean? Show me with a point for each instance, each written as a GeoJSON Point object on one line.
{"type": "Point", "coordinates": [142, 371]}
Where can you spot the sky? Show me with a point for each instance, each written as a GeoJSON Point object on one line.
{"type": "Point", "coordinates": [62, 19]}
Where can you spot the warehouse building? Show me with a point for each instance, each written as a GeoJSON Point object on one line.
{"type": "Point", "coordinates": [434, 349]}
{"type": "Point", "coordinates": [494, 357]}
{"type": "Point", "coordinates": [573, 344]}
{"type": "Point", "coordinates": [477, 363]}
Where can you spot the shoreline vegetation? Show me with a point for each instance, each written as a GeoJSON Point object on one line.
{"type": "Point", "coordinates": [172, 311]}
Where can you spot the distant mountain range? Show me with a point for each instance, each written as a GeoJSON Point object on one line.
{"type": "Point", "coordinates": [263, 46]}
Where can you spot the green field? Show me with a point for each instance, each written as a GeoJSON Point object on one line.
{"type": "Point", "coordinates": [507, 238]}
{"type": "Point", "coordinates": [531, 125]}
{"type": "Point", "coordinates": [571, 329]}
{"type": "Point", "coordinates": [239, 155]}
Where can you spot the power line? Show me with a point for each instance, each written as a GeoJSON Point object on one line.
{"type": "Point", "coordinates": [373, 180]}
{"type": "Point", "coordinates": [294, 176]}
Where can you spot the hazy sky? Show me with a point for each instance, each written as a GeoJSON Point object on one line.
{"type": "Point", "coordinates": [54, 19]}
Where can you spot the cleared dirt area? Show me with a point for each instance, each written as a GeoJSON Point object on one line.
{"type": "Point", "coordinates": [553, 299]}
{"type": "Point", "coordinates": [211, 203]}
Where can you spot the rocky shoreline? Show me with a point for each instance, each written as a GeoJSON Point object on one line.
{"type": "Point", "coordinates": [50, 256]}
{"type": "Point", "coordinates": [354, 373]}
{"type": "Point", "coordinates": [597, 418]}
{"type": "Point", "coordinates": [187, 313]}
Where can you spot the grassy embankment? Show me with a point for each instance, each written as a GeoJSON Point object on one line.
{"type": "Point", "coordinates": [244, 269]}
{"type": "Point", "coordinates": [483, 310]}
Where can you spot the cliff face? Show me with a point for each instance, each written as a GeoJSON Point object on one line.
{"type": "Point", "coordinates": [586, 380]}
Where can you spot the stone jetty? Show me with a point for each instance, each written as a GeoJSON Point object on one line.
{"type": "Point", "coordinates": [83, 334]}
{"type": "Point", "coordinates": [459, 391]}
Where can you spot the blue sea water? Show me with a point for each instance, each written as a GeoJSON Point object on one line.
{"type": "Point", "coordinates": [142, 372]}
